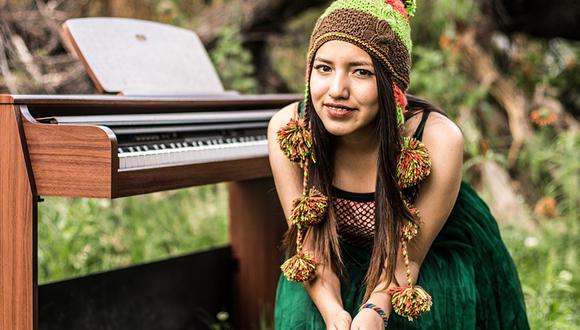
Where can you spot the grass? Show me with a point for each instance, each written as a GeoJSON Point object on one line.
{"type": "Point", "coordinates": [549, 272]}
{"type": "Point", "coordinates": [82, 236]}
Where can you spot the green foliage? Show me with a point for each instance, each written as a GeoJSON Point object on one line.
{"type": "Point", "coordinates": [178, 12]}
{"type": "Point", "coordinates": [548, 260]}
{"type": "Point", "coordinates": [288, 51]}
{"type": "Point", "coordinates": [435, 18]}
{"type": "Point", "coordinates": [437, 77]}
{"type": "Point", "coordinates": [567, 77]}
{"type": "Point", "coordinates": [80, 236]}
{"type": "Point", "coordinates": [234, 63]}
{"type": "Point", "coordinates": [552, 163]}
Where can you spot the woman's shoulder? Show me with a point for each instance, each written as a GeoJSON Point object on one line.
{"type": "Point", "coordinates": [441, 131]}
{"type": "Point", "coordinates": [282, 117]}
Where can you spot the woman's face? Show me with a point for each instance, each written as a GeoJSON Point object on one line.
{"type": "Point", "coordinates": [343, 88]}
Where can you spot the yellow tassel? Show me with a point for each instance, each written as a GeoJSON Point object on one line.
{"type": "Point", "coordinates": [296, 141]}
{"type": "Point", "coordinates": [300, 268]}
{"type": "Point", "coordinates": [309, 209]}
{"type": "Point", "coordinates": [410, 301]}
{"type": "Point", "coordinates": [413, 164]}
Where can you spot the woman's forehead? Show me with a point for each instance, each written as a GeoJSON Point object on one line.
{"type": "Point", "coordinates": [341, 51]}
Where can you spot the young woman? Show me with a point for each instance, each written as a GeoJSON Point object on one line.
{"type": "Point", "coordinates": [370, 181]}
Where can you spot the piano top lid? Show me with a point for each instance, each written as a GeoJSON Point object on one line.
{"type": "Point", "coordinates": [135, 57]}
{"type": "Point", "coordinates": [223, 99]}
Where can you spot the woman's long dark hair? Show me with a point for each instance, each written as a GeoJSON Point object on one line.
{"type": "Point", "coordinates": [390, 211]}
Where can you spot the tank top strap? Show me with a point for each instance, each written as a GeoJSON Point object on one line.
{"type": "Point", "coordinates": [421, 127]}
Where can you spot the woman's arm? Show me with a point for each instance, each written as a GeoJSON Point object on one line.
{"type": "Point", "coordinates": [324, 290]}
{"type": "Point", "coordinates": [435, 201]}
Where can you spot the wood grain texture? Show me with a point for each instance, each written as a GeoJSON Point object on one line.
{"type": "Point", "coordinates": [6, 99]}
{"type": "Point", "coordinates": [71, 160]}
{"type": "Point", "coordinates": [17, 230]}
{"type": "Point", "coordinates": [256, 228]}
{"type": "Point", "coordinates": [142, 181]}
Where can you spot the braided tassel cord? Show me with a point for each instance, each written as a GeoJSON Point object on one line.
{"type": "Point", "coordinates": [308, 210]}
{"type": "Point", "coordinates": [411, 228]}
{"type": "Point", "coordinates": [413, 164]}
{"type": "Point", "coordinates": [410, 301]}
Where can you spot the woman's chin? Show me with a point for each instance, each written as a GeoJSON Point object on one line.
{"type": "Point", "coordinates": [338, 130]}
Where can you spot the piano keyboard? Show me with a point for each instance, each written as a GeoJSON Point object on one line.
{"type": "Point", "coordinates": [192, 152]}
{"type": "Point", "coordinates": [174, 139]}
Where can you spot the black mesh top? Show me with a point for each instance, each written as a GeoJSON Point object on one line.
{"type": "Point", "coordinates": [355, 212]}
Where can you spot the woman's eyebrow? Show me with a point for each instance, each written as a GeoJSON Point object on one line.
{"type": "Point", "coordinates": [351, 64]}
{"type": "Point", "coordinates": [360, 63]}
{"type": "Point", "coordinates": [320, 59]}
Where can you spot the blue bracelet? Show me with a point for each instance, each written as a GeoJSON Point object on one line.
{"type": "Point", "coordinates": [379, 311]}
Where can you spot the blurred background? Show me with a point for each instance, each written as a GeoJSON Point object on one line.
{"type": "Point", "coordinates": [507, 72]}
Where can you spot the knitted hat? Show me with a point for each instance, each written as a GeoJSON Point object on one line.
{"type": "Point", "coordinates": [381, 28]}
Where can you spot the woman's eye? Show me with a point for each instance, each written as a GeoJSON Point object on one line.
{"type": "Point", "coordinates": [363, 72]}
{"type": "Point", "coordinates": [322, 68]}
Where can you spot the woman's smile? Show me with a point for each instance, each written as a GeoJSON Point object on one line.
{"type": "Point", "coordinates": [338, 111]}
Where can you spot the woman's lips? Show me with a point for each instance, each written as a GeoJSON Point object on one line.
{"type": "Point", "coordinates": [338, 111]}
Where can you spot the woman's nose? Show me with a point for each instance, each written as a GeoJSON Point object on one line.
{"type": "Point", "coordinates": [339, 87]}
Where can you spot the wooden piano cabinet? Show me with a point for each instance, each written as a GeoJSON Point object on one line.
{"type": "Point", "coordinates": [17, 229]}
{"type": "Point", "coordinates": [71, 160]}
{"type": "Point", "coordinates": [141, 181]}
{"type": "Point", "coordinates": [257, 225]}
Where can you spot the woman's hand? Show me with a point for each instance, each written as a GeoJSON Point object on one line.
{"type": "Point", "coordinates": [367, 319]}
{"type": "Point", "coordinates": [340, 320]}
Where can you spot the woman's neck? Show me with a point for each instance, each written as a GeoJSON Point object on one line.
{"type": "Point", "coordinates": [355, 165]}
{"type": "Point", "coordinates": [358, 143]}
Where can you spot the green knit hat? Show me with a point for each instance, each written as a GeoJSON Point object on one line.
{"type": "Point", "coordinates": [380, 27]}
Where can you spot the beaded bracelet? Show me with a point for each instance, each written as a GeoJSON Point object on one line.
{"type": "Point", "coordinates": [379, 311]}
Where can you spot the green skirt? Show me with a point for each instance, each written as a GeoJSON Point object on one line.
{"type": "Point", "coordinates": [468, 272]}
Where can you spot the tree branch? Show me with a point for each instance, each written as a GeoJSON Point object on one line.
{"type": "Point", "coordinates": [503, 89]}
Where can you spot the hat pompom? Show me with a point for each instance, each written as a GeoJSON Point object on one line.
{"type": "Point", "coordinates": [300, 268]}
{"type": "Point", "coordinates": [398, 6]}
{"type": "Point", "coordinates": [309, 209]}
{"type": "Point", "coordinates": [296, 141]}
{"type": "Point", "coordinates": [410, 301]}
{"type": "Point", "coordinates": [414, 164]}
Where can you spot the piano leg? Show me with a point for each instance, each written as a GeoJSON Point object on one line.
{"type": "Point", "coordinates": [18, 283]}
{"type": "Point", "coordinates": [256, 228]}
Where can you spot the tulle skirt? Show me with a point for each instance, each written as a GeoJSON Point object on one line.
{"type": "Point", "coordinates": [468, 272]}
